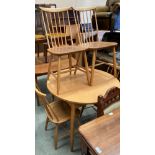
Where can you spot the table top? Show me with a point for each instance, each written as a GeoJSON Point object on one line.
{"type": "Point", "coordinates": [75, 89]}
{"type": "Point", "coordinates": [103, 134]}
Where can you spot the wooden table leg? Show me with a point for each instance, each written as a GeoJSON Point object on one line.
{"type": "Point", "coordinates": [93, 67]}
{"type": "Point", "coordinates": [72, 126]}
{"type": "Point", "coordinates": [114, 62]}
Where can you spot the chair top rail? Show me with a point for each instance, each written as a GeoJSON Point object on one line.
{"type": "Point", "coordinates": [55, 9]}
{"type": "Point", "coordinates": [84, 8]}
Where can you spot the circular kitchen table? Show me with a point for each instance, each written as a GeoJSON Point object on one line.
{"type": "Point", "coordinates": [76, 91]}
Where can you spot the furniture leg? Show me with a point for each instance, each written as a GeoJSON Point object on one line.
{"type": "Point", "coordinates": [114, 62]}
{"type": "Point", "coordinates": [82, 110]}
{"type": "Point", "coordinates": [46, 125]}
{"type": "Point", "coordinates": [86, 67]}
{"type": "Point", "coordinates": [58, 76]}
{"type": "Point", "coordinates": [38, 50]}
{"type": "Point", "coordinates": [49, 67]}
{"type": "Point", "coordinates": [72, 126]}
{"type": "Point", "coordinates": [93, 67]}
{"type": "Point", "coordinates": [45, 53]}
{"type": "Point", "coordinates": [56, 136]}
{"type": "Point", "coordinates": [77, 63]}
{"type": "Point", "coordinates": [70, 63]}
{"type": "Point", "coordinates": [37, 100]}
{"type": "Point", "coordinates": [38, 104]}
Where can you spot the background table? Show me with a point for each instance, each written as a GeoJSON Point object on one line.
{"type": "Point", "coordinates": [101, 136]}
{"type": "Point", "coordinates": [76, 91]}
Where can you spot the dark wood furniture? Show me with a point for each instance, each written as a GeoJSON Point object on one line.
{"type": "Point", "coordinates": [102, 135]}
{"type": "Point", "coordinates": [111, 96]}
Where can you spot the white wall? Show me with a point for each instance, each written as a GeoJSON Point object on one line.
{"type": "Point", "coordinates": [74, 3]}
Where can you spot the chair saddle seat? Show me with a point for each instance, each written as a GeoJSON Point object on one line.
{"type": "Point", "coordinates": [62, 50]}
{"type": "Point", "coordinates": [61, 111]}
{"type": "Point", "coordinates": [99, 45]}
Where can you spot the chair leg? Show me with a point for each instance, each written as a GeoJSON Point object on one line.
{"type": "Point", "coordinates": [82, 110]}
{"type": "Point", "coordinates": [58, 75]}
{"type": "Point", "coordinates": [77, 63]}
{"type": "Point", "coordinates": [49, 67]}
{"type": "Point", "coordinates": [78, 120]}
{"type": "Point", "coordinates": [86, 67]}
{"type": "Point", "coordinates": [38, 104]}
{"type": "Point", "coordinates": [70, 63]}
{"type": "Point", "coordinates": [56, 136]}
{"type": "Point", "coordinates": [45, 53]}
{"type": "Point", "coordinates": [36, 81]}
{"type": "Point", "coordinates": [46, 125]}
{"type": "Point", "coordinates": [93, 67]}
{"type": "Point", "coordinates": [38, 50]}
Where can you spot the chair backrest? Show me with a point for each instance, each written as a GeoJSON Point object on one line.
{"type": "Point", "coordinates": [38, 20]}
{"type": "Point", "coordinates": [112, 95]}
{"type": "Point", "coordinates": [83, 18]}
{"type": "Point", "coordinates": [55, 21]}
{"type": "Point", "coordinates": [42, 98]}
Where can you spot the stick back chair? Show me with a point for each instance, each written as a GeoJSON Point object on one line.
{"type": "Point", "coordinates": [58, 112]}
{"type": "Point", "coordinates": [112, 96]}
{"type": "Point", "coordinates": [39, 30]}
{"type": "Point", "coordinates": [60, 42]}
{"type": "Point", "coordinates": [89, 38]}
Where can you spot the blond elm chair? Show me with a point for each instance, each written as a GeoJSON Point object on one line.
{"type": "Point", "coordinates": [86, 37]}
{"type": "Point", "coordinates": [60, 43]}
{"type": "Point", "coordinates": [57, 112]}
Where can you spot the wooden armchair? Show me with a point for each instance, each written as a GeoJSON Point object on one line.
{"type": "Point", "coordinates": [112, 96]}
{"type": "Point", "coordinates": [58, 112]}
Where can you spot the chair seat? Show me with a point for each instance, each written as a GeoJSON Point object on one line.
{"type": "Point", "coordinates": [99, 45]}
{"type": "Point", "coordinates": [62, 111]}
{"type": "Point", "coordinates": [63, 50]}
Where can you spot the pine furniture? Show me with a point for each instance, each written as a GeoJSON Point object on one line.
{"type": "Point", "coordinates": [59, 44]}
{"type": "Point", "coordinates": [86, 37]}
{"type": "Point", "coordinates": [76, 92]}
{"type": "Point", "coordinates": [58, 112]}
